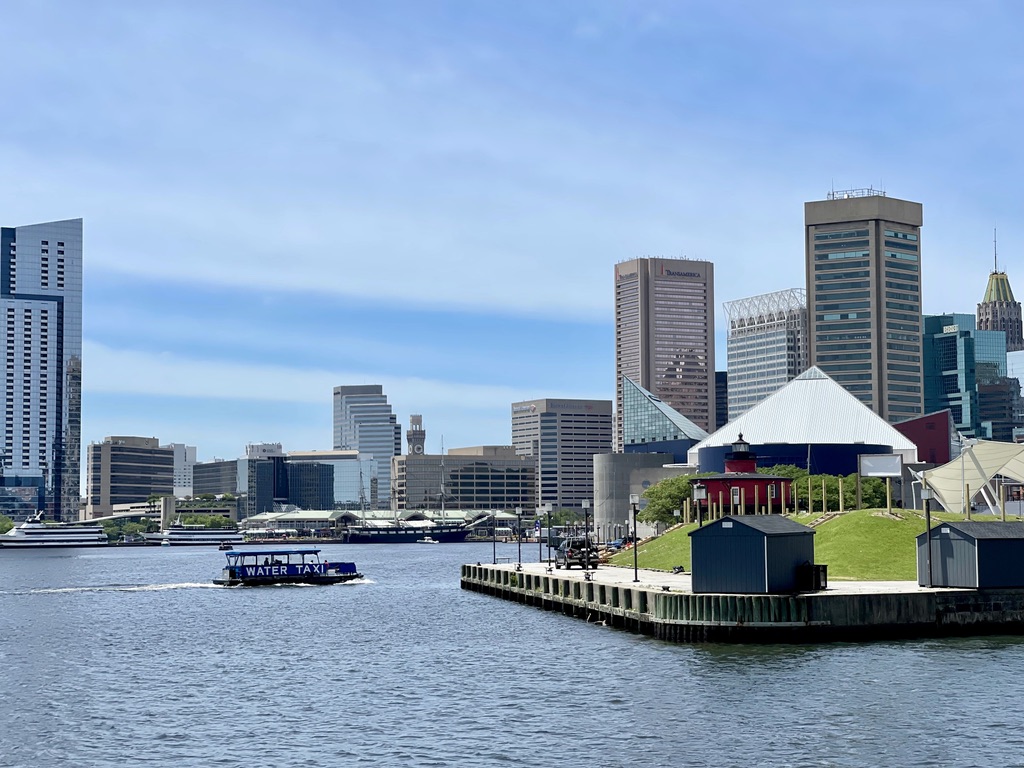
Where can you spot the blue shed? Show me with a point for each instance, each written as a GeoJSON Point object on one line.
{"type": "Point", "coordinates": [750, 554]}
{"type": "Point", "coordinates": [973, 555]}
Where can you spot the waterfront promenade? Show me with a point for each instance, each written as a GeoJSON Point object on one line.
{"type": "Point", "coordinates": [663, 605]}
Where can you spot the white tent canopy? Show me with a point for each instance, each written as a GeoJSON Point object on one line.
{"type": "Point", "coordinates": [952, 484]}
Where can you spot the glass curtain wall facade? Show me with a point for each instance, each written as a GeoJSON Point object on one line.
{"type": "Point", "coordinates": [41, 436]}
{"type": "Point", "coordinates": [863, 265]}
{"type": "Point", "coordinates": [950, 374]}
{"type": "Point", "coordinates": [961, 363]}
{"type": "Point", "coordinates": [665, 335]}
{"type": "Point", "coordinates": [647, 420]}
{"type": "Point", "coordinates": [354, 476]}
{"type": "Point", "coordinates": [767, 346]}
{"type": "Point", "coordinates": [364, 422]}
{"type": "Point", "coordinates": [310, 485]}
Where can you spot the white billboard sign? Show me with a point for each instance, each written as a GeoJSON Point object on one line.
{"type": "Point", "coordinates": [881, 465]}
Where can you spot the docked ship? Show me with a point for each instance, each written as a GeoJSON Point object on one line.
{"type": "Point", "coordinates": [402, 532]}
{"type": "Point", "coordinates": [180, 534]}
{"type": "Point", "coordinates": [36, 534]}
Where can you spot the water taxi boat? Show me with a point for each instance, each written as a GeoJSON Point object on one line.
{"type": "Point", "coordinates": [283, 566]}
{"type": "Point", "coordinates": [427, 540]}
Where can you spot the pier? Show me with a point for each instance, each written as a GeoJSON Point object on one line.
{"type": "Point", "coordinates": [662, 605]}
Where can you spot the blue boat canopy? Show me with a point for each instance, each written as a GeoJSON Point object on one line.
{"type": "Point", "coordinates": [266, 552]}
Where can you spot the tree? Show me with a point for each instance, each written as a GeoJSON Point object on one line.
{"type": "Point", "coordinates": [210, 521]}
{"type": "Point", "coordinates": [5, 523]}
{"type": "Point", "coordinates": [664, 497]}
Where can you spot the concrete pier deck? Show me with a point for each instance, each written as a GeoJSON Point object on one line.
{"type": "Point", "coordinates": [663, 605]}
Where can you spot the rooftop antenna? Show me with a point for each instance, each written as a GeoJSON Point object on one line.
{"type": "Point", "coordinates": [995, 252]}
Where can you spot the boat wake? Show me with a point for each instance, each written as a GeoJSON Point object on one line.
{"type": "Point", "coordinates": [120, 588]}
{"type": "Point", "coordinates": [294, 585]}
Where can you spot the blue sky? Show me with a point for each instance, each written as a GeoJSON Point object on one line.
{"type": "Point", "coordinates": [284, 197]}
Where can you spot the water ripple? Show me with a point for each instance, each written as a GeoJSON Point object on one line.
{"type": "Point", "coordinates": [134, 658]}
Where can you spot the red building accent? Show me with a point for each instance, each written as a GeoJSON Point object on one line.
{"type": "Point", "coordinates": [931, 434]}
{"type": "Point", "coordinates": [741, 490]}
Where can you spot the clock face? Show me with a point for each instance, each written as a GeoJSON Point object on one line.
{"type": "Point", "coordinates": [417, 449]}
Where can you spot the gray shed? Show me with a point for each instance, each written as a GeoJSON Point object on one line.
{"type": "Point", "coordinates": [973, 555]}
{"type": "Point", "coordinates": [750, 554]}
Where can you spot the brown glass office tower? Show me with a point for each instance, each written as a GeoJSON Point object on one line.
{"type": "Point", "coordinates": [665, 335]}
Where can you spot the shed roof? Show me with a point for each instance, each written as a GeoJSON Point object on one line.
{"type": "Point", "coordinates": [813, 408]}
{"type": "Point", "coordinates": [770, 525]}
{"type": "Point", "coordinates": [995, 529]}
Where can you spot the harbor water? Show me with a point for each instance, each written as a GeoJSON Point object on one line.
{"type": "Point", "coordinates": [130, 656]}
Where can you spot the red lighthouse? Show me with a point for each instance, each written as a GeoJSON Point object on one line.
{"type": "Point", "coordinates": [740, 490]}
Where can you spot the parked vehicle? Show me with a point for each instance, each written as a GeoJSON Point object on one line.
{"type": "Point", "coordinates": [576, 550]}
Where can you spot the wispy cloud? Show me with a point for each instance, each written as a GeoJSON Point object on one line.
{"type": "Point", "coordinates": [444, 190]}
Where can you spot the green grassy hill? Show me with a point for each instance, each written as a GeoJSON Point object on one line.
{"type": "Point", "coordinates": [866, 545]}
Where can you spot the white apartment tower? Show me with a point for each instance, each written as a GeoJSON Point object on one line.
{"type": "Point", "coordinates": [665, 335]}
{"type": "Point", "coordinates": [41, 434]}
{"type": "Point", "coordinates": [364, 422]}
{"type": "Point", "coordinates": [184, 461]}
{"type": "Point", "coordinates": [766, 346]}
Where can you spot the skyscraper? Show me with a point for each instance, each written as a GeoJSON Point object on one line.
{"type": "Point", "coordinates": [563, 436]}
{"type": "Point", "coordinates": [665, 335]}
{"type": "Point", "coordinates": [951, 361]}
{"type": "Point", "coordinates": [41, 436]}
{"type": "Point", "coordinates": [364, 422]}
{"type": "Point", "coordinates": [767, 346]}
{"type": "Point", "coordinates": [863, 263]}
{"type": "Point", "coordinates": [999, 311]}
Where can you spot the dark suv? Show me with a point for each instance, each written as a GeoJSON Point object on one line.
{"type": "Point", "coordinates": [576, 550]}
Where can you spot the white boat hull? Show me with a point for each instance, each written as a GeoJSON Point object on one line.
{"type": "Point", "coordinates": [164, 540]}
{"type": "Point", "coordinates": [22, 544]}
{"type": "Point", "coordinates": [35, 534]}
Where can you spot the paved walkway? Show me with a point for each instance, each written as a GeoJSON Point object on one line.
{"type": "Point", "coordinates": [648, 579]}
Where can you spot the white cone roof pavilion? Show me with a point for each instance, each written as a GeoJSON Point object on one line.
{"type": "Point", "coordinates": [811, 409]}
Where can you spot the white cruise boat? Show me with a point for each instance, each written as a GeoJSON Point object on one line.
{"type": "Point", "coordinates": [35, 534]}
{"type": "Point", "coordinates": [191, 535]}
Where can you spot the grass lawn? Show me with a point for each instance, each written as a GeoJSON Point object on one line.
{"type": "Point", "coordinates": [866, 545]}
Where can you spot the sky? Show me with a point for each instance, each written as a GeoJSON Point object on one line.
{"type": "Point", "coordinates": [284, 197]}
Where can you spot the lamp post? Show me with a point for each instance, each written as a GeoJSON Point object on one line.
{"type": "Point", "coordinates": [519, 537]}
{"type": "Point", "coordinates": [634, 502]}
{"type": "Point", "coordinates": [700, 492]}
{"type": "Point", "coordinates": [586, 534]}
{"type": "Point", "coordinates": [926, 496]}
{"type": "Point", "coordinates": [536, 528]}
{"type": "Point", "coordinates": [547, 508]}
